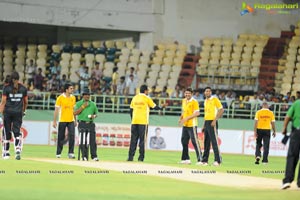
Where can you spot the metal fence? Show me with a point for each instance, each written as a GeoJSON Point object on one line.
{"type": "Point", "coordinates": [120, 104]}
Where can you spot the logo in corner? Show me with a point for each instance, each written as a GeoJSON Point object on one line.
{"type": "Point", "coordinates": [246, 9]}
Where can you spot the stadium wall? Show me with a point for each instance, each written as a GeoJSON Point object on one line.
{"type": "Point", "coordinates": [113, 130]}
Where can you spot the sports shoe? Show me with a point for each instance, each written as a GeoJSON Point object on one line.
{"type": "Point", "coordinates": [18, 155]}
{"type": "Point", "coordinates": [202, 163]}
{"type": "Point", "coordinates": [84, 158]}
{"type": "Point", "coordinates": [71, 156]}
{"type": "Point", "coordinates": [286, 186]}
{"type": "Point", "coordinates": [6, 156]}
{"type": "Point", "coordinates": [95, 159]}
{"type": "Point", "coordinates": [264, 163]}
{"type": "Point", "coordinates": [141, 158]}
{"type": "Point", "coordinates": [58, 156]}
{"type": "Point", "coordinates": [257, 160]}
{"type": "Point", "coordinates": [216, 163]}
{"type": "Point", "coordinates": [185, 162]}
{"type": "Point", "coordinates": [130, 159]}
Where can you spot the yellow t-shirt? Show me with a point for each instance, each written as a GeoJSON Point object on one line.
{"type": "Point", "coordinates": [188, 108]}
{"type": "Point", "coordinates": [141, 105]}
{"type": "Point", "coordinates": [264, 118]}
{"type": "Point", "coordinates": [211, 107]}
{"type": "Point", "coordinates": [66, 105]}
{"type": "Point", "coordinates": [115, 77]}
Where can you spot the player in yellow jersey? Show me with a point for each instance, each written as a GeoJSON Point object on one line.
{"type": "Point", "coordinates": [213, 110]}
{"type": "Point", "coordinates": [189, 120]}
{"type": "Point", "coordinates": [264, 119]}
{"type": "Point", "coordinates": [139, 111]}
{"type": "Point", "coordinates": [64, 107]}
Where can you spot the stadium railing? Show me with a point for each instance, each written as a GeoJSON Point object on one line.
{"type": "Point", "coordinates": [121, 104]}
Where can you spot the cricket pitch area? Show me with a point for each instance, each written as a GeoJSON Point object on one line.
{"type": "Point", "coordinates": [197, 175]}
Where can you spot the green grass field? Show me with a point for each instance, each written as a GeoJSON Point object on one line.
{"type": "Point", "coordinates": [116, 185]}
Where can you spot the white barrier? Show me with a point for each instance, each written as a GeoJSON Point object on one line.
{"type": "Point", "coordinates": [118, 135]}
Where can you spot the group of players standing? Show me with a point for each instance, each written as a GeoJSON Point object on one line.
{"type": "Point", "coordinates": [14, 103]}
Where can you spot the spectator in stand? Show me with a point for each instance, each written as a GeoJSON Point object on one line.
{"type": "Point", "coordinates": [30, 72]}
{"type": "Point", "coordinates": [164, 93]}
{"type": "Point", "coordinates": [177, 93]}
{"type": "Point", "coordinates": [298, 94]}
{"type": "Point", "coordinates": [261, 99]}
{"type": "Point", "coordinates": [39, 80]}
{"type": "Point", "coordinates": [247, 105]}
{"type": "Point", "coordinates": [285, 105]}
{"type": "Point", "coordinates": [95, 84]}
{"type": "Point", "coordinates": [198, 96]}
{"type": "Point", "coordinates": [222, 98]}
{"type": "Point", "coordinates": [216, 94]}
{"type": "Point", "coordinates": [104, 84]}
{"type": "Point", "coordinates": [53, 87]}
{"type": "Point", "coordinates": [153, 92]}
{"type": "Point", "coordinates": [114, 77]}
{"type": "Point", "coordinates": [292, 100]}
{"type": "Point", "coordinates": [63, 81]}
{"type": "Point", "coordinates": [236, 103]}
{"type": "Point", "coordinates": [288, 96]}
{"type": "Point", "coordinates": [84, 79]}
{"type": "Point", "coordinates": [229, 98]}
{"type": "Point", "coordinates": [55, 69]}
{"type": "Point", "coordinates": [132, 72]}
{"type": "Point", "coordinates": [38, 87]}
{"type": "Point", "coordinates": [97, 72]}
{"type": "Point", "coordinates": [108, 100]}
{"type": "Point", "coordinates": [121, 87]}
{"type": "Point", "coordinates": [254, 102]}
{"type": "Point", "coordinates": [80, 71]}
{"type": "Point", "coordinates": [53, 83]}
{"type": "Point", "coordinates": [130, 87]}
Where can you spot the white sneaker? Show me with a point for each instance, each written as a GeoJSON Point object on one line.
{"type": "Point", "coordinates": [216, 163]}
{"type": "Point", "coordinates": [202, 163]}
{"type": "Point", "coordinates": [264, 163]}
{"type": "Point", "coordinates": [84, 158]}
{"type": "Point", "coordinates": [285, 186]}
{"type": "Point", "coordinates": [188, 162]}
{"type": "Point", "coordinates": [95, 159]}
{"type": "Point", "coordinates": [58, 156]}
{"type": "Point", "coordinates": [185, 162]}
{"type": "Point", "coordinates": [71, 156]}
{"type": "Point", "coordinates": [6, 156]}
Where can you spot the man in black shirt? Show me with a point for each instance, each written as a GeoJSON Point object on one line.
{"type": "Point", "coordinates": [13, 105]}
